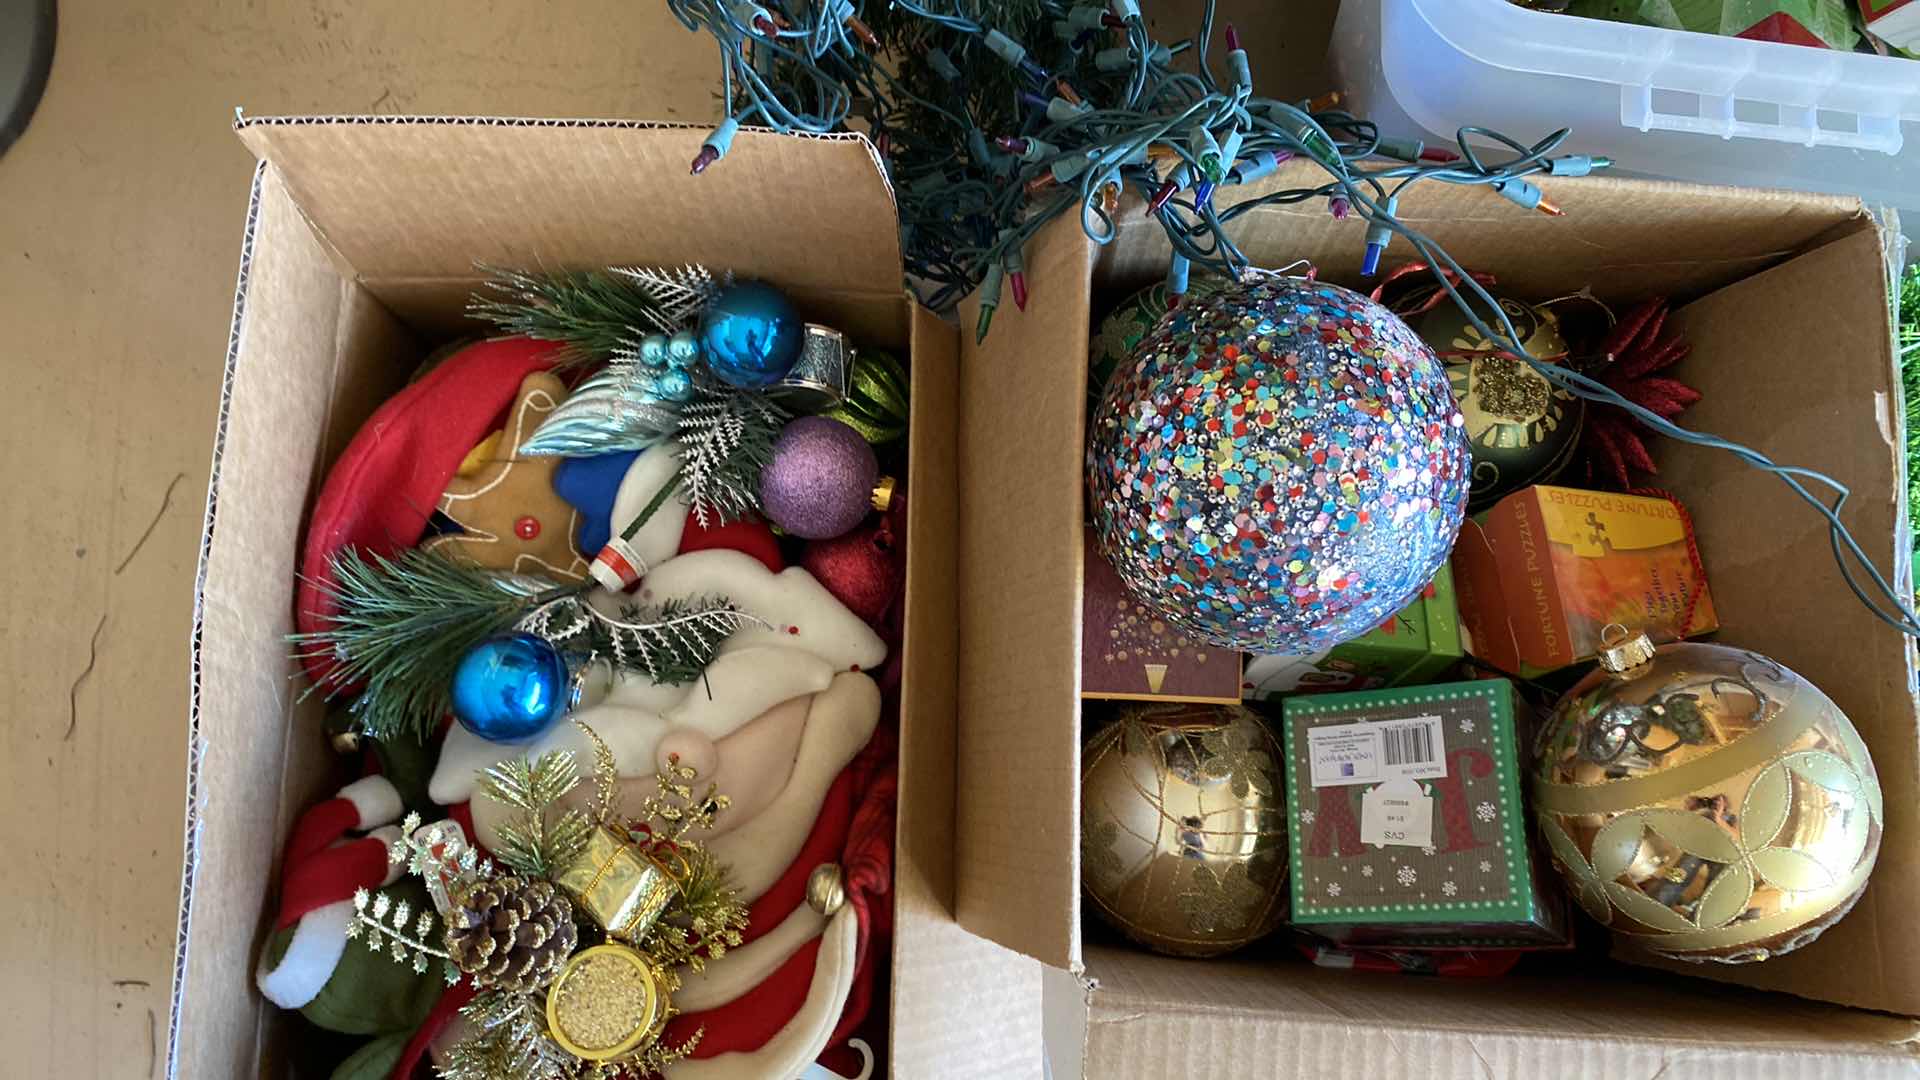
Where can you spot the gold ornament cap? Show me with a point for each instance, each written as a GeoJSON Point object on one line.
{"type": "Point", "coordinates": [1625, 654]}
{"type": "Point", "coordinates": [883, 493]}
{"type": "Point", "coordinates": [608, 1001]}
{"type": "Point", "coordinates": [826, 889]}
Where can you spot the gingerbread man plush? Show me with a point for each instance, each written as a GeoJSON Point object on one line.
{"type": "Point", "coordinates": [509, 515]}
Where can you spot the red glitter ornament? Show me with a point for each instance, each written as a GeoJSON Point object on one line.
{"type": "Point", "coordinates": [1614, 442]}
{"type": "Point", "coordinates": [860, 569]}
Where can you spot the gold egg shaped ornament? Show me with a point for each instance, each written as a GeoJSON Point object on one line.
{"type": "Point", "coordinates": [1705, 802]}
{"type": "Point", "coordinates": [1183, 835]}
{"type": "Point", "coordinates": [1522, 428]}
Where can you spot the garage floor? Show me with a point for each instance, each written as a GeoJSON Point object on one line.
{"type": "Point", "coordinates": [120, 221]}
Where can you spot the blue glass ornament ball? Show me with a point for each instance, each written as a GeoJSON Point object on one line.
{"type": "Point", "coordinates": [510, 688]}
{"type": "Point", "coordinates": [653, 350]}
{"type": "Point", "coordinates": [683, 350]}
{"type": "Point", "coordinates": [751, 335]}
{"type": "Point", "coordinates": [673, 385]}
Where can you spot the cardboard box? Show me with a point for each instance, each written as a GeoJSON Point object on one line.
{"type": "Point", "coordinates": [361, 238]}
{"type": "Point", "coordinates": [1416, 646]}
{"type": "Point", "coordinates": [1547, 569]}
{"type": "Point", "coordinates": [1764, 280]}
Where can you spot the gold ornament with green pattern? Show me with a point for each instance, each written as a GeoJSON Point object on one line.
{"type": "Point", "coordinates": [1523, 429]}
{"type": "Point", "coordinates": [1705, 802]}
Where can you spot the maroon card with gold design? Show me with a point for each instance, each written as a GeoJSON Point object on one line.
{"type": "Point", "coordinates": [1128, 652]}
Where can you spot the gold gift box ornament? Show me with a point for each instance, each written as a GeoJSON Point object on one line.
{"type": "Point", "coordinates": [622, 887]}
{"type": "Point", "coordinates": [612, 1000]}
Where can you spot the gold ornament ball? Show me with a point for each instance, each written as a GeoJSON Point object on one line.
{"type": "Point", "coordinates": [1522, 428]}
{"type": "Point", "coordinates": [1183, 837]}
{"type": "Point", "coordinates": [1706, 802]}
{"type": "Point", "coordinates": [827, 889]}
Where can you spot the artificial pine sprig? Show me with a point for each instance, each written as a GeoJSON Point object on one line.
{"type": "Point", "coordinates": [401, 626]}
{"type": "Point", "coordinates": [589, 313]}
{"type": "Point", "coordinates": [529, 843]}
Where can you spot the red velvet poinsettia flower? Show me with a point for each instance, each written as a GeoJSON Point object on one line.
{"type": "Point", "coordinates": [1614, 445]}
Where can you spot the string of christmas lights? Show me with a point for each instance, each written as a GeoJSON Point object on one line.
{"type": "Point", "coordinates": [995, 118]}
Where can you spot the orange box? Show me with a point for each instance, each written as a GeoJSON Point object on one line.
{"type": "Point", "coordinates": [1543, 572]}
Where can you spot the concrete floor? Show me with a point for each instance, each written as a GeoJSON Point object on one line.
{"type": "Point", "coordinates": [120, 222]}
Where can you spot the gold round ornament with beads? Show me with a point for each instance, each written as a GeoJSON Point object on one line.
{"type": "Point", "coordinates": [1705, 802]}
{"type": "Point", "coordinates": [1522, 428]}
{"type": "Point", "coordinates": [1183, 838]}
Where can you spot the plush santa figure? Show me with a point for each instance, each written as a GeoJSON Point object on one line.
{"type": "Point", "coordinates": [785, 721]}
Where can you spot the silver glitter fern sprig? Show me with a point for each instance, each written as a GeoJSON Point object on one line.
{"type": "Point", "coordinates": [726, 439]}
{"type": "Point", "coordinates": [682, 292]}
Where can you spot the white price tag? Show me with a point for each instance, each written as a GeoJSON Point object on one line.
{"type": "Point", "coordinates": [1369, 753]}
{"type": "Point", "coordinates": [1396, 812]}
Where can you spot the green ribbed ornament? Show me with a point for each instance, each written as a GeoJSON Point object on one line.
{"type": "Point", "coordinates": [876, 403]}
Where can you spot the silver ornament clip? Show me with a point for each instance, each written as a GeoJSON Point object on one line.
{"type": "Point", "coordinates": [818, 380]}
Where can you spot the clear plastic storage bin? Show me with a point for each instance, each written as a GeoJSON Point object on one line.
{"type": "Point", "coordinates": [1664, 103]}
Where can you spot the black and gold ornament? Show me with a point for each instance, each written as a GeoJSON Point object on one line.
{"type": "Point", "coordinates": [1522, 428]}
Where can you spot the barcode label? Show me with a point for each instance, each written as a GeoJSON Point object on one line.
{"type": "Point", "coordinates": [1372, 753]}
{"type": "Point", "coordinates": [1406, 744]}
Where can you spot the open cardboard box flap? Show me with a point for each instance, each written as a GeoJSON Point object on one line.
{"type": "Point", "coordinates": [1786, 302]}
{"type": "Point", "coordinates": [360, 245]}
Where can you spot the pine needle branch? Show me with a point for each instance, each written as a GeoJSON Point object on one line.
{"type": "Point", "coordinates": [401, 627]}
{"type": "Point", "coordinates": [589, 313]}
{"type": "Point", "coordinates": [529, 843]}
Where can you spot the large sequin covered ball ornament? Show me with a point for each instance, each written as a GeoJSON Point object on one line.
{"type": "Point", "coordinates": [1183, 835]}
{"type": "Point", "coordinates": [1522, 428]}
{"type": "Point", "coordinates": [1279, 467]}
{"type": "Point", "coordinates": [1705, 802]}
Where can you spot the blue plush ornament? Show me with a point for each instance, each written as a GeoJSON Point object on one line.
{"type": "Point", "coordinates": [751, 335]}
{"type": "Point", "coordinates": [589, 484]}
{"type": "Point", "coordinates": [510, 688]}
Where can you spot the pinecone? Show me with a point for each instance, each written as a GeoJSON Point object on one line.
{"type": "Point", "coordinates": [511, 933]}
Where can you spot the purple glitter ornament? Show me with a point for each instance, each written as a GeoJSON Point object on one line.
{"type": "Point", "coordinates": [1278, 467]}
{"type": "Point", "coordinates": [820, 482]}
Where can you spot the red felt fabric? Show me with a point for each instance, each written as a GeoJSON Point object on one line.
{"type": "Point", "coordinates": [444, 1011]}
{"type": "Point", "coordinates": [329, 877]}
{"type": "Point", "coordinates": [378, 496]}
{"type": "Point", "coordinates": [752, 537]}
{"type": "Point", "coordinates": [322, 824]}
